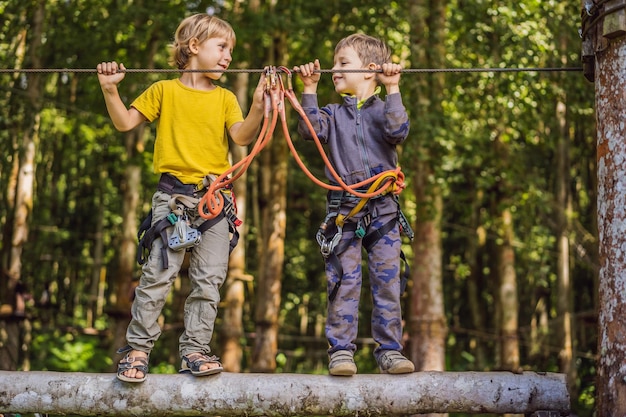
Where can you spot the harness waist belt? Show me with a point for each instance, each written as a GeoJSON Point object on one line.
{"type": "Point", "coordinates": [171, 185]}
{"type": "Point", "coordinates": [340, 196]}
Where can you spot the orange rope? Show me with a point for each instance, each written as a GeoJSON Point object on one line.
{"type": "Point", "coordinates": [212, 203]}
{"type": "Point", "coordinates": [398, 176]}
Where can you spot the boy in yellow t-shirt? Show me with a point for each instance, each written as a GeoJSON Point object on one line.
{"type": "Point", "coordinates": [192, 115]}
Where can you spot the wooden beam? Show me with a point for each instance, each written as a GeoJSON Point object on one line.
{"type": "Point", "coordinates": [232, 394]}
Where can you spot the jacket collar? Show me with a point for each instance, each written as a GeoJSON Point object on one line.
{"type": "Point", "coordinates": [348, 99]}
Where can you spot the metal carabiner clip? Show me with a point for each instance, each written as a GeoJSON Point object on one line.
{"type": "Point", "coordinates": [326, 245]}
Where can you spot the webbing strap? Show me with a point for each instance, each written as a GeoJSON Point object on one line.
{"type": "Point", "coordinates": [341, 218]}
{"type": "Point", "coordinates": [147, 234]}
{"type": "Point", "coordinates": [184, 200]}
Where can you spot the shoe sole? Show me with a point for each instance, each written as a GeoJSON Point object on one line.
{"type": "Point", "coordinates": [131, 380]}
{"type": "Point", "coordinates": [206, 372]}
{"type": "Point", "coordinates": [342, 370]}
{"type": "Point", "coordinates": [400, 369]}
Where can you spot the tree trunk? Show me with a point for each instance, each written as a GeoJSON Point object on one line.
{"type": "Point", "coordinates": [27, 138]}
{"type": "Point", "coordinates": [276, 395]}
{"type": "Point", "coordinates": [232, 331]}
{"type": "Point", "coordinates": [426, 321]}
{"type": "Point", "coordinates": [27, 149]}
{"type": "Point", "coordinates": [273, 172]}
{"type": "Point", "coordinates": [473, 255]}
{"type": "Point", "coordinates": [507, 295]}
{"type": "Point", "coordinates": [94, 308]}
{"type": "Point", "coordinates": [610, 83]}
{"type": "Point", "coordinates": [564, 207]}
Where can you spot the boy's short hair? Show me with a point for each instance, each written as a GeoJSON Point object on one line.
{"type": "Point", "coordinates": [368, 48]}
{"type": "Point", "coordinates": [202, 27]}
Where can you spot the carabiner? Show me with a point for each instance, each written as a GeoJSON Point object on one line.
{"type": "Point", "coordinates": [328, 246]}
{"type": "Point", "coordinates": [289, 82]}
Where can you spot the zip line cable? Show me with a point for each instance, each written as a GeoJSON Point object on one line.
{"type": "Point", "coordinates": [173, 70]}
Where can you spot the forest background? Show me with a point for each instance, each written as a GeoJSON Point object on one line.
{"type": "Point", "coordinates": [500, 172]}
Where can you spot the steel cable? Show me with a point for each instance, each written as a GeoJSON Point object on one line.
{"type": "Point", "coordinates": [243, 70]}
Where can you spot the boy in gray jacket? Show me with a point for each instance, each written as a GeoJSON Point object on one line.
{"type": "Point", "coordinates": [361, 135]}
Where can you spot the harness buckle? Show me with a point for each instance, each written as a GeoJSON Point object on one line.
{"type": "Point", "coordinates": [230, 210]}
{"type": "Point", "coordinates": [361, 226]}
{"type": "Point", "coordinates": [327, 246]}
{"type": "Point", "coordinates": [360, 230]}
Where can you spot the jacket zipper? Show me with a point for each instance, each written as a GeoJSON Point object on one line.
{"type": "Point", "coordinates": [361, 143]}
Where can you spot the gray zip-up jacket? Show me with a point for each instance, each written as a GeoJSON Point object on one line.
{"type": "Point", "coordinates": [361, 142]}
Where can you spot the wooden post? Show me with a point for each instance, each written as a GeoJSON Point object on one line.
{"type": "Point", "coordinates": [604, 45]}
{"type": "Point", "coordinates": [231, 394]}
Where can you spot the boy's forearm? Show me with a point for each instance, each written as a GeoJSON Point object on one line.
{"type": "Point", "coordinates": [310, 89]}
{"type": "Point", "coordinates": [246, 132]}
{"type": "Point", "coordinates": [392, 88]}
{"type": "Point", "coordinates": [116, 108]}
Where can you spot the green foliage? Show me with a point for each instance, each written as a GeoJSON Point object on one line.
{"type": "Point", "coordinates": [69, 352]}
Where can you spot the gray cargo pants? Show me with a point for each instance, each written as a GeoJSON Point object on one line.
{"type": "Point", "coordinates": [207, 271]}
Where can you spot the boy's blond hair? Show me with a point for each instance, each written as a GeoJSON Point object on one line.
{"type": "Point", "coordinates": [200, 26]}
{"type": "Point", "coordinates": [368, 48]}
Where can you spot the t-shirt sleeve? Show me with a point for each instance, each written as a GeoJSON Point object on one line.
{"type": "Point", "coordinates": [232, 110]}
{"type": "Point", "coordinates": [148, 103]}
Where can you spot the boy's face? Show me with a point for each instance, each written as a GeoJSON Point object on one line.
{"type": "Point", "coordinates": [348, 82]}
{"type": "Point", "coordinates": [213, 54]}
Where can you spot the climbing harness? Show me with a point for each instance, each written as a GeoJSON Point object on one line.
{"type": "Point", "coordinates": [330, 235]}
{"type": "Point", "coordinates": [184, 200]}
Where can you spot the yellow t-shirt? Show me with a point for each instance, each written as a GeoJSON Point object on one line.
{"type": "Point", "coordinates": [191, 139]}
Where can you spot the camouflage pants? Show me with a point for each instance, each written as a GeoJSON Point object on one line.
{"type": "Point", "coordinates": [383, 261]}
{"type": "Point", "coordinates": [208, 265]}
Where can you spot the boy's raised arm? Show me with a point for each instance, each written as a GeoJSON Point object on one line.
{"type": "Point", "coordinates": [309, 77]}
{"type": "Point", "coordinates": [243, 133]}
{"type": "Point", "coordinates": [109, 76]}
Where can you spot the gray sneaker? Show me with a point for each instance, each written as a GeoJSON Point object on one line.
{"type": "Point", "coordinates": [342, 363]}
{"type": "Point", "coordinates": [393, 362]}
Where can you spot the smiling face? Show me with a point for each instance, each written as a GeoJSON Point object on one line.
{"type": "Point", "coordinates": [212, 54]}
{"type": "Point", "coordinates": [350, 83]}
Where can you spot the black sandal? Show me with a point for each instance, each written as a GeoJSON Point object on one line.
{"type": "Point", "coordinates": [126, 364]}
{"type": "Point", "coordinates": [193, 362]}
